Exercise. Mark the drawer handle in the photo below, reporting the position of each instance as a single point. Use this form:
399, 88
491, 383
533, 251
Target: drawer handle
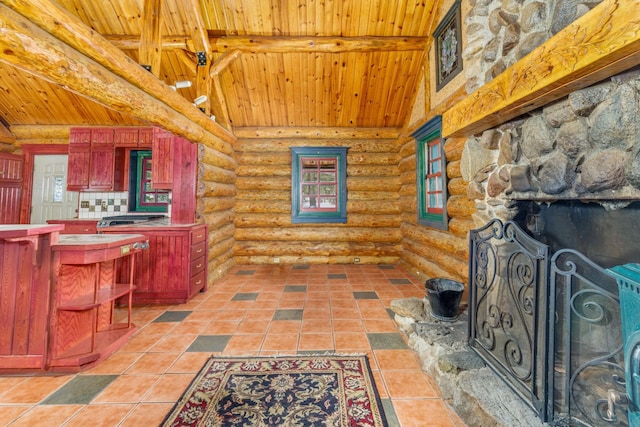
198, 251
199, 265
198, 282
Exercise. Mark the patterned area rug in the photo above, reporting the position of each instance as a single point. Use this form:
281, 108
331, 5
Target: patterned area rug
327, 390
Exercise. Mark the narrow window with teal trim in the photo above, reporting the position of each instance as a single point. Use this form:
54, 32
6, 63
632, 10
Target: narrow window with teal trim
319, 184
147, 199
431, 174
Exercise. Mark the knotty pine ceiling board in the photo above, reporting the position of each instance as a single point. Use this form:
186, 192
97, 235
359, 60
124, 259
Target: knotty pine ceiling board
317, 18
373, 89
26, 100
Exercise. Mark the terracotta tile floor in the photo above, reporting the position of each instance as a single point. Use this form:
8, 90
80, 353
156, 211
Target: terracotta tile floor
253, 310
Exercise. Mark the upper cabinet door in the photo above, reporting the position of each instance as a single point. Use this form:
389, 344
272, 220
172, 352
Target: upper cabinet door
80, 136
162, 160
126, 137
101, 136
102, 167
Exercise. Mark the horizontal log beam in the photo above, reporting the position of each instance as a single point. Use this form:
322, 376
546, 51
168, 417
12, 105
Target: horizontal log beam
280, 44
316, 132
601, 43
6, 136
284, 44
64, 34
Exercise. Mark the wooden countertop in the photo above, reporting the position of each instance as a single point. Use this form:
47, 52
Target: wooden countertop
24, 230
92, 248
95, 241
164, 223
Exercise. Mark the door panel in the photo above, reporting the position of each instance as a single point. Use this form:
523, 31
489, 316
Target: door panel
11, 166
50, 198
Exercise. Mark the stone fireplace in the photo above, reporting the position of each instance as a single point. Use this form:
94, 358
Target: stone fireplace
568, 175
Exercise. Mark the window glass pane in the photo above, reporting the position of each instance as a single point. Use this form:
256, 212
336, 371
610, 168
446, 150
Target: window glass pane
327, 190
328, 202
328, 163
309, 189
327, 176
310, 176
435, 167
309, 163
150, 198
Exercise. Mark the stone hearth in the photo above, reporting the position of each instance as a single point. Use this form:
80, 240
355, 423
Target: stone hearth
474, 391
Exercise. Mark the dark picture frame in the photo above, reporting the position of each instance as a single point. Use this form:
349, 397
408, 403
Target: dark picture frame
448, 46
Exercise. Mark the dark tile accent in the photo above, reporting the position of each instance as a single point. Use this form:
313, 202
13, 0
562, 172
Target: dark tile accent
386, 267
300, 267
386, 341
288, 314
295, 288
392, 314
390, 413
172, 316
365, 295
80, 391
245, 296
336, 276
245, 272
400, 281
207, 343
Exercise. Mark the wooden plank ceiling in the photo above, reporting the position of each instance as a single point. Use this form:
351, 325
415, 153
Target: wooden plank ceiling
269, 64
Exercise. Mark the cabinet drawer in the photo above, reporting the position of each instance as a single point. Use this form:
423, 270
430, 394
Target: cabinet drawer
198, 235
197, 266
197, 250
197, 283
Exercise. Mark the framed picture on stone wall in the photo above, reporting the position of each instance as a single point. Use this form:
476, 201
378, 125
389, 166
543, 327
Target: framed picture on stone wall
448, 47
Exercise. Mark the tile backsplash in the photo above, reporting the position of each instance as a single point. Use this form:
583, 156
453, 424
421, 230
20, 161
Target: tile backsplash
97, 205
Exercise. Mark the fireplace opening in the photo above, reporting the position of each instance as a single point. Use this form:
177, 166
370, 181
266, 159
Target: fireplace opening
544, 313
606, 233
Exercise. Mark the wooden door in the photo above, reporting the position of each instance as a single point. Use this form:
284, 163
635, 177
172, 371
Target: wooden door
50, 198
11, 167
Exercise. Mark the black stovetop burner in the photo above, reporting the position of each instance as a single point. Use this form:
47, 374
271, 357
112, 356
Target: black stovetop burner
108, 221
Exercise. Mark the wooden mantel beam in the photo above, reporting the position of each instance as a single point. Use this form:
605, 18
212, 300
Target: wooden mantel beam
285, 44
152, 100
601, 43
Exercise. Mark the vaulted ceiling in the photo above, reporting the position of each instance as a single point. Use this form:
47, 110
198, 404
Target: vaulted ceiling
271, 63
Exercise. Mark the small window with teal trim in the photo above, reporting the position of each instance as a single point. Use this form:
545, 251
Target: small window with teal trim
319, 187
144, 197
431, 172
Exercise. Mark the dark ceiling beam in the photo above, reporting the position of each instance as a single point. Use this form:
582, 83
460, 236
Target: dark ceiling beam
274, 44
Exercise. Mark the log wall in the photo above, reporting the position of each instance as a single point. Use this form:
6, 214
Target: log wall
429, 252
264, 233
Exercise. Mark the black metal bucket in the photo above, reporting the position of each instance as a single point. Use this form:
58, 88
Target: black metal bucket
444, 297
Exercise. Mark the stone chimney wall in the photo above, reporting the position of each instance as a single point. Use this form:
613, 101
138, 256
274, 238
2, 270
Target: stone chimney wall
585, 146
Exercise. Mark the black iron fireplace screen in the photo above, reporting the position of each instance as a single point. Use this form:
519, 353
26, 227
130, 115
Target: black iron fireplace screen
549, 326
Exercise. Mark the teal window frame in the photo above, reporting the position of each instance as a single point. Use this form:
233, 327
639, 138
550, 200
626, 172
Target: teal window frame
431, 175
331, 176
138, 183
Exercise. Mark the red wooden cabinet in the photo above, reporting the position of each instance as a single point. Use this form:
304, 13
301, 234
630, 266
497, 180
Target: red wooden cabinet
78, 167
97, 166
162, 167
24, 295
174, 269
133, 137
83, 330
11, 166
